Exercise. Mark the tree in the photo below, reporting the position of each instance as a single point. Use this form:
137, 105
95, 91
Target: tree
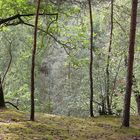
2, 102
91, 59
33, 63
108, 64
2, 99
136, 93
127, 100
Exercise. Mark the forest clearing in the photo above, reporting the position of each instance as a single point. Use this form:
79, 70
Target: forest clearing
16, 125
70, 69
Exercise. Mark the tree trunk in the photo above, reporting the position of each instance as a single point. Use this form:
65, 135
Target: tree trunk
2, 102
102, 110
108, 64
127, 100
137, 93
137, 97
91, 60
33, 64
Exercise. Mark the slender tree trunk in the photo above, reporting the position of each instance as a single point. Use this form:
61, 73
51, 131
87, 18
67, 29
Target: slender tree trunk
137, 97
108, 64
102, 110
137, 93
2, 102
33, 64
127, 100
91, 60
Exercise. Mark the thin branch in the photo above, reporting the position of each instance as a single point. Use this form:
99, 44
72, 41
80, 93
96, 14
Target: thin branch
55, 39
122, 28
19, 16
21, 21
52, 22
12, 105
40, 14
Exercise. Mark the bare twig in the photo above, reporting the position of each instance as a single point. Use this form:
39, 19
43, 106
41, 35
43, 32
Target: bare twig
12, 105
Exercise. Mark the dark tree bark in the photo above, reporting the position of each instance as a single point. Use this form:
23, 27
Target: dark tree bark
108, 64
91, 60
127, 100
2, 102
32, 118
102, 110
17, 19
15, 106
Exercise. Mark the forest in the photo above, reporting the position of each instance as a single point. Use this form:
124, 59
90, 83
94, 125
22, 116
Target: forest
69, 70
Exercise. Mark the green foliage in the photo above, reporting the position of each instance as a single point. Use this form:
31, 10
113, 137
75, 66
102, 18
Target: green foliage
15, 7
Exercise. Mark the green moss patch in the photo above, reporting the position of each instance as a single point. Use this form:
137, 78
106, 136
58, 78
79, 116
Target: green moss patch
16, 126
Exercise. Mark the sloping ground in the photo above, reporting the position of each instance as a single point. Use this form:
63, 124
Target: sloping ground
15, 126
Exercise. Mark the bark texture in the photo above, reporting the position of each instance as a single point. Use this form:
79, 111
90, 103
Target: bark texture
129, 81
91, 59
108, 64
32, 118
2, 102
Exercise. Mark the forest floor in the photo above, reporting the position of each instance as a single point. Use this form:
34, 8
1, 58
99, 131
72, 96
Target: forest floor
15, 125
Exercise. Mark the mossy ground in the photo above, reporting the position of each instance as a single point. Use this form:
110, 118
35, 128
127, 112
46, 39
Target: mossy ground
16, 126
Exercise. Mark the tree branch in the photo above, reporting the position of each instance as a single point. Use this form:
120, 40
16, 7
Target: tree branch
7, 21
21, 21
58, 41
12, 105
